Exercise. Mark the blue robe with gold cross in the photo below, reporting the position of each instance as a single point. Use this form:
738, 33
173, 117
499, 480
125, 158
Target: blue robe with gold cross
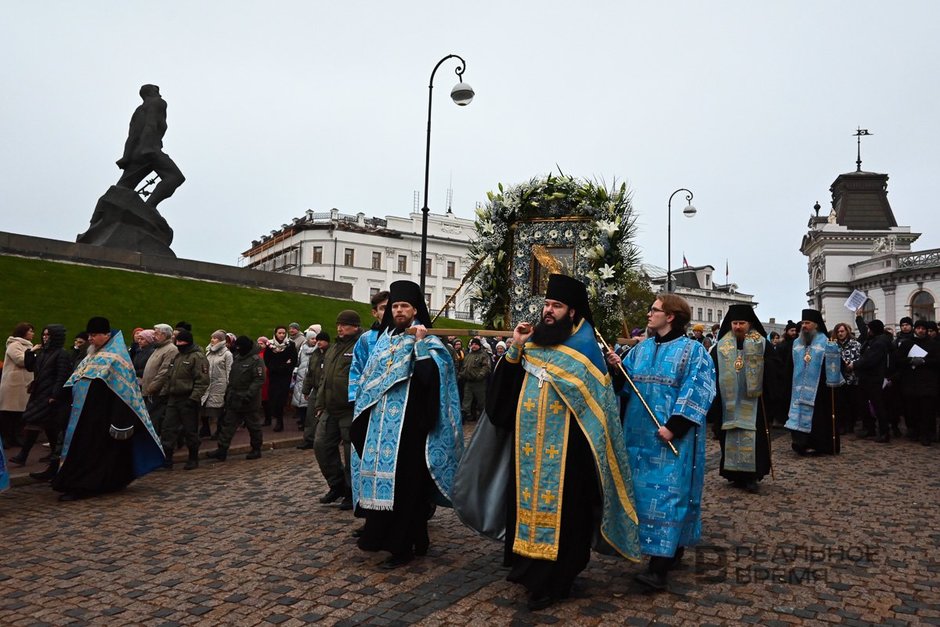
568, 387
675, 377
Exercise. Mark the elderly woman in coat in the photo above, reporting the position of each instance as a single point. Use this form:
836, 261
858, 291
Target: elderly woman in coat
13, 392
213, 401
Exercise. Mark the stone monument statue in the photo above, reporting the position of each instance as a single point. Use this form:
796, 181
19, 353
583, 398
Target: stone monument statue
122, 219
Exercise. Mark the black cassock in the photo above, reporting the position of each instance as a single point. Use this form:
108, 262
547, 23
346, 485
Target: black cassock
96, 462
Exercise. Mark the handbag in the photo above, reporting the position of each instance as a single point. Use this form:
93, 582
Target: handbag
481, 484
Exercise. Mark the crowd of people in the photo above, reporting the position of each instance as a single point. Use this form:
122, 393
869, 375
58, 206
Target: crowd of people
577, 445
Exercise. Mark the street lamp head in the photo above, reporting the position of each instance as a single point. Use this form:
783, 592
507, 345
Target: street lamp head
689, 211
462, 94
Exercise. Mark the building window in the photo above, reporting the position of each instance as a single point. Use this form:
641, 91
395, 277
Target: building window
451, 269
372, 292
403, 263
719, 314
349, 257
710, 315
922, 306
376, 260
700, 313
868, 310
427, 267
318, 254
427, 299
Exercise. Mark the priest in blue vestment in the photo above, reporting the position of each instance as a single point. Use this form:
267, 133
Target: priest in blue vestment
109, 440
745, 366
676, 377
817, 368
569, 477
406, 430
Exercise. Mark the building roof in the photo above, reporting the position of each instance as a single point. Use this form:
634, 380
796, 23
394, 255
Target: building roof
860, 201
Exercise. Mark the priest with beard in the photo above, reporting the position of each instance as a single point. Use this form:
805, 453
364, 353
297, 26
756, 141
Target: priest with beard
817, 368
569, 474
745, 369
406, 430
109, 440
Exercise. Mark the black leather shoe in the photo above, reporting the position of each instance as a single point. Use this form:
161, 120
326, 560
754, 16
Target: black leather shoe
752, 487
71, 496
46, 474
346, 505
19, 459
396, 561
653, 581
883, 439
220, 454
536, 603
254, 454
332, 496
306, 446
358, 532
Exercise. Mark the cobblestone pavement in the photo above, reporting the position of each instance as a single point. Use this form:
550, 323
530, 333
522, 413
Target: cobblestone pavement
849, 540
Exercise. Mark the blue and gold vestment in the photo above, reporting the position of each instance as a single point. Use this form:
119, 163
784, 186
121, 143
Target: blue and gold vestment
808, 364
567, 386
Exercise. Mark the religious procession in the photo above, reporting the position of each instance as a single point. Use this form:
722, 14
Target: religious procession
584, 440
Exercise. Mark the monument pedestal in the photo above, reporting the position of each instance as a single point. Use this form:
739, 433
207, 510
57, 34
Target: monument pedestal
122, 220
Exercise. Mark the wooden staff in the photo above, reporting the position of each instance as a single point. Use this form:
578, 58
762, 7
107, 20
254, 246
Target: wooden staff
637, 392
470, 274
770, 457
463, 332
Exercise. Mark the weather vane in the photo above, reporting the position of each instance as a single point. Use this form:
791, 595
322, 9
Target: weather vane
858, 133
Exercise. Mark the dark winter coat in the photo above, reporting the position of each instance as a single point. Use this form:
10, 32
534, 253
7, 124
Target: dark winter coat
51, 366
333, 395
245, 380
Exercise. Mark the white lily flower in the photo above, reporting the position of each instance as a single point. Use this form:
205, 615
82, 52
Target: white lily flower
606, 273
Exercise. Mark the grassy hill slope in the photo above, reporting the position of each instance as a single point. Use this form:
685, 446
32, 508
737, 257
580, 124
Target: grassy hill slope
43, 292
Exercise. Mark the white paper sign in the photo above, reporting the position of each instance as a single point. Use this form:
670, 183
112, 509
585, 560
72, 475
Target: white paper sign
856, 300
916, 351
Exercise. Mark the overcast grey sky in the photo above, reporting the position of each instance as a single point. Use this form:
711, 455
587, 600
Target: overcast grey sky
275, 108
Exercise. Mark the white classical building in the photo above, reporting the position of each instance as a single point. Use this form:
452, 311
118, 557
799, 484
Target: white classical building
709, 300
371, 253
859, 245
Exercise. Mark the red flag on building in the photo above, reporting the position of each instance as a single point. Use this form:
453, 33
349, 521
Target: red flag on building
685, 262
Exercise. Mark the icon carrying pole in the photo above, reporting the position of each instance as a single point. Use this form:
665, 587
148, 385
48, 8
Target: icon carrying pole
637, 392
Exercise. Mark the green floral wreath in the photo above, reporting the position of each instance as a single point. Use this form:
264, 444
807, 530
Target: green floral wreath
607, 257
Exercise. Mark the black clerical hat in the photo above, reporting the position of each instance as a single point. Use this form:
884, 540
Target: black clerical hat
740, 311
98, 324
812, 315
571, 292
406, 292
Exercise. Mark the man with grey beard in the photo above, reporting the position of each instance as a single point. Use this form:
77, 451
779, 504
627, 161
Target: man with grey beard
817, 364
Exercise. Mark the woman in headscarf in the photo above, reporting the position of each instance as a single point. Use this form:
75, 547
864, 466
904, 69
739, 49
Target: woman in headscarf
13, 392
